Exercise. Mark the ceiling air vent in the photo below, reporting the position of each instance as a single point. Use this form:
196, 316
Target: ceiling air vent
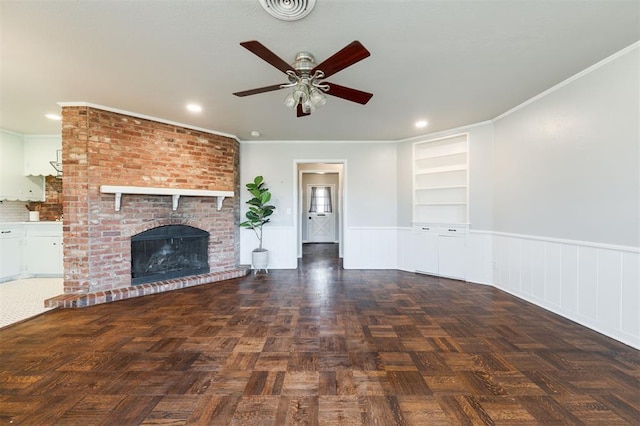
288, 10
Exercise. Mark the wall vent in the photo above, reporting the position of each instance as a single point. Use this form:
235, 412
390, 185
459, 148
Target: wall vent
288, 10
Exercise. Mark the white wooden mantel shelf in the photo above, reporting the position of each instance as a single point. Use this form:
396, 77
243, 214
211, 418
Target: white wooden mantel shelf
175, 193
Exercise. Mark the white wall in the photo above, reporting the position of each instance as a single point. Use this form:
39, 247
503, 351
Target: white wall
566, 164
370, 192
567, 199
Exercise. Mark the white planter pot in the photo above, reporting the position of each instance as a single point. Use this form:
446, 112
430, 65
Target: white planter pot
259, 260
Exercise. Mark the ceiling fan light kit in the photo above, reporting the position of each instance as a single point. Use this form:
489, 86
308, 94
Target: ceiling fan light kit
288, 10
306, 77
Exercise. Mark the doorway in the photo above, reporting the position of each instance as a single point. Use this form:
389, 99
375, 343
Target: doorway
320, 215
321, 219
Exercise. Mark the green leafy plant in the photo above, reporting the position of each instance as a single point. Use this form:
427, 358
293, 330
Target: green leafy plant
259, 211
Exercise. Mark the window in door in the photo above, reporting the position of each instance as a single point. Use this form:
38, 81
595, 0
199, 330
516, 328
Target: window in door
320, 200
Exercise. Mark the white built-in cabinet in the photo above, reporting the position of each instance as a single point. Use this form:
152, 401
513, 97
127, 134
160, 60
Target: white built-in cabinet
14, 184
11, 238
30, 250
440, 205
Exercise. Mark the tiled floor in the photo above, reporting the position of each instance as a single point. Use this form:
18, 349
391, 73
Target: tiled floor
21, 299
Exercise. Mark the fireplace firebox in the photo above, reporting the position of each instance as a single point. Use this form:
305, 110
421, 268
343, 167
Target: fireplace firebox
168, 252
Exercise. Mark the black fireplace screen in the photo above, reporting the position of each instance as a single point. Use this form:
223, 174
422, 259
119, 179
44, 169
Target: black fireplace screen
168, 252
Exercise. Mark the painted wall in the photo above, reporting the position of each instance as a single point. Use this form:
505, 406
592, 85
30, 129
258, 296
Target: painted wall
566, 165
567, 198
370, 176
370, 192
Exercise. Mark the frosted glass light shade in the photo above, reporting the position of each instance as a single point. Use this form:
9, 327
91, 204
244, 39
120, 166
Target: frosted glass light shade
290, 102
317, 98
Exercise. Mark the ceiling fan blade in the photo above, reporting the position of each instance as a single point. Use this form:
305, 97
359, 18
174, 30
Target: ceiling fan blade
348, 93
261, 51
300, 112
259, 90
349, 55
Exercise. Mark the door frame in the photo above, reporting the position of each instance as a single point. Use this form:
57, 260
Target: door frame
341, 197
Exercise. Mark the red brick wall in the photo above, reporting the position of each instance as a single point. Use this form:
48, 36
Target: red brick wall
106, 148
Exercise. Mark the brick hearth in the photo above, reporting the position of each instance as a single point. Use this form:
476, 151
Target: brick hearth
81, 300
102, 147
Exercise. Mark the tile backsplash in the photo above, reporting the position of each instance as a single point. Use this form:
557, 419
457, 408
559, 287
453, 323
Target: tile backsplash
13, 211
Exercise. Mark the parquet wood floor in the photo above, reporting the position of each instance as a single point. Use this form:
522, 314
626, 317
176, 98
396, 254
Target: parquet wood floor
316, 345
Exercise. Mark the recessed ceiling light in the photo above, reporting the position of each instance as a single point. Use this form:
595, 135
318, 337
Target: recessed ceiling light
53, 116
255, 134
421, 124
194, 107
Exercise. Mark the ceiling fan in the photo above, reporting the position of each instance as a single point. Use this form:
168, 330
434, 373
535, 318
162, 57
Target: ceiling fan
307, 78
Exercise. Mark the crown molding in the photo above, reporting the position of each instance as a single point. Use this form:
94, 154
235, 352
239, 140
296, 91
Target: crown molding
571, 79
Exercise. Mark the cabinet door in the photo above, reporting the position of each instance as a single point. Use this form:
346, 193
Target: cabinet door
43, 255
451, 256
10, 255
13, 184
426, 256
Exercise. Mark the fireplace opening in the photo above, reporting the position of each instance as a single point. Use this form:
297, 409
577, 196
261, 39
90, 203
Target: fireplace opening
168, 252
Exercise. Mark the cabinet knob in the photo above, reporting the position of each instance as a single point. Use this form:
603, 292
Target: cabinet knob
425, 229
453, 230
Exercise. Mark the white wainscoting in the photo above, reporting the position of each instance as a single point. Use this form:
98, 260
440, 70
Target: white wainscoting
280, 241
480, 257
406, 250
371, 248
595, 285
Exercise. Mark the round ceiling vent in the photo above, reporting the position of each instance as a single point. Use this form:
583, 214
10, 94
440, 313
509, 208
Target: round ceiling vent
288, 10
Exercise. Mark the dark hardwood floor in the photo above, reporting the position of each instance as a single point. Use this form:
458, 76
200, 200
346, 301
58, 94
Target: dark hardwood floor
316, 345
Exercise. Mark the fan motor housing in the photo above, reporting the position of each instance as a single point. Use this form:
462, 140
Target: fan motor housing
304, 62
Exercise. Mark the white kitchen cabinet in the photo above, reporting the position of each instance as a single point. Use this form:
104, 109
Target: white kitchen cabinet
43, 249
14, 185
11, 238
43, 255
39, 151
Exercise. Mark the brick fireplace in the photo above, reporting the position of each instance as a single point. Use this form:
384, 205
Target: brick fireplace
102, 147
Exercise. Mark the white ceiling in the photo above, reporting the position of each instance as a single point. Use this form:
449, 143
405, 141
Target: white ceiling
450, 62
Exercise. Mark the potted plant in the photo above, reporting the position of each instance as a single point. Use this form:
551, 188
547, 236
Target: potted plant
257, 215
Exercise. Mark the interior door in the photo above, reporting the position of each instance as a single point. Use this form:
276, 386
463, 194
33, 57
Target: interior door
321, 227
